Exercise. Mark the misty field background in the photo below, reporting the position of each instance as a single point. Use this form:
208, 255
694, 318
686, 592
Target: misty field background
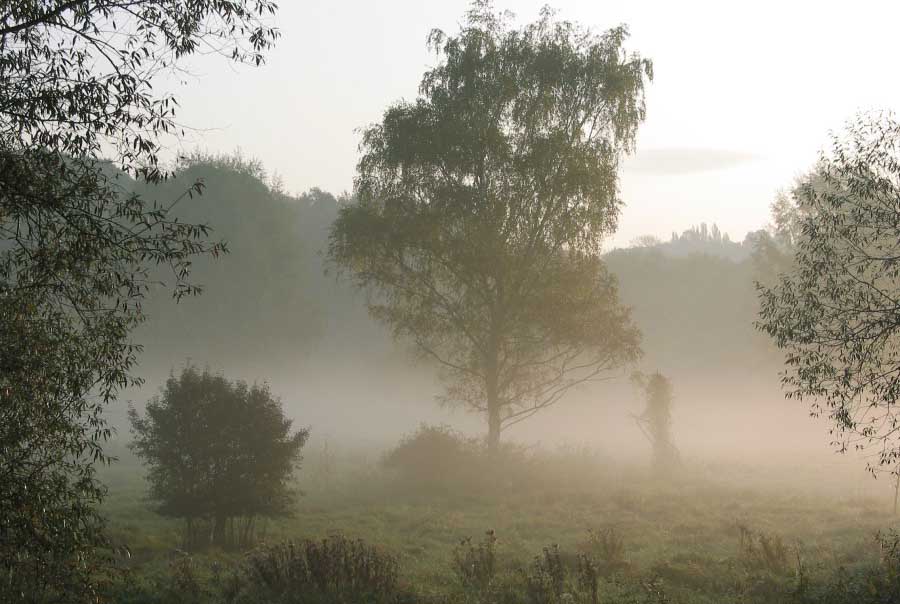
759, 510
694, 539
456, 382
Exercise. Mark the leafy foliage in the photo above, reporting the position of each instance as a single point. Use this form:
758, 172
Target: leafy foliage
218, 451
77, 75
77, 251
835, 314
481, 208
73, 272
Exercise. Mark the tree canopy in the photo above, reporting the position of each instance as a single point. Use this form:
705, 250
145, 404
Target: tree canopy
77, 75
79, 250
221, 454
267, 298
835, 311
481, 207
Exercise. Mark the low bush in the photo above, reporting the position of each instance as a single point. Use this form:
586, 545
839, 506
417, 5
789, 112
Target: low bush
764, 551
546, 579
475, 566
182, 579
438, 459
433, 458
335, 570
552, 577
872, 584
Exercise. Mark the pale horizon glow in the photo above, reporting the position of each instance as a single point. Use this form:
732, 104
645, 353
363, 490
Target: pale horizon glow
743, 99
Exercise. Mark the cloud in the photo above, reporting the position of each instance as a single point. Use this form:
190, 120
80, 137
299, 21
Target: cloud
685, 161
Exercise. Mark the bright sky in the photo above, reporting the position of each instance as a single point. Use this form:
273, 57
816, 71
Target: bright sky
744, 94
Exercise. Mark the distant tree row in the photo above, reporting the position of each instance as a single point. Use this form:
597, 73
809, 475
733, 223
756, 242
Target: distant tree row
269, 289
699, 240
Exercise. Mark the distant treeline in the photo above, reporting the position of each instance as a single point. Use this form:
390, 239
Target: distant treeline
273, 297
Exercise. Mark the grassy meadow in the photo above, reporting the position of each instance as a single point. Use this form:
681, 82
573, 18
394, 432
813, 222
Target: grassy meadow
705, 533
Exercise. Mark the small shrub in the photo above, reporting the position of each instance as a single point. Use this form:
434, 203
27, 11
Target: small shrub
884, 582
553, 578
762, 551
589, 578
179, 581
545, 580
475, 565
438, 459
607, 547
889, 546
433, 457
684, 571
654, 592
335, 570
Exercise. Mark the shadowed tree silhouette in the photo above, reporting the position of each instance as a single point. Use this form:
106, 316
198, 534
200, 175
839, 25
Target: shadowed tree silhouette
220, 453
78, 250
656, 421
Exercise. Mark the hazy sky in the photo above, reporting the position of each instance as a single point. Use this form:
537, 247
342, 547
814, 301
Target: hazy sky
744, 94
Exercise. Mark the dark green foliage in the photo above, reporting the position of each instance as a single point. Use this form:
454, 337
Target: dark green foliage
835, 312
184, 585
220, 455
480, 210
179, 579
75, 264
77, 249
72, 87
335, 570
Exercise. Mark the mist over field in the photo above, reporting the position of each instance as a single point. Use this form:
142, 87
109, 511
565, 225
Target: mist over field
339, 371
461, 303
